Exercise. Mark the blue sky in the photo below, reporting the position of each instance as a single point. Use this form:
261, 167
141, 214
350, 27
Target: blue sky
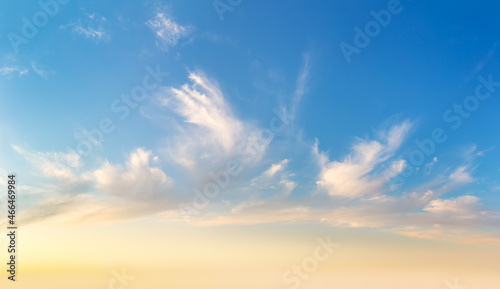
354, 128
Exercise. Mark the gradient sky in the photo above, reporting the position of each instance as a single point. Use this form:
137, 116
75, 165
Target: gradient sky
392, 150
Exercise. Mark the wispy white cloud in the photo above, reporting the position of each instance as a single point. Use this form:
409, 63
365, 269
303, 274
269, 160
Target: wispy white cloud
209, 132
275, 168
356, 175
42, 73
111, 192
418, 215
276, 179
360, 177
91, 28
206, 132
138, 180
461, 175
465, 206
167, 31
139, 188
61, 166
300, 89
7, 70
428, 166
96, 34
301, 83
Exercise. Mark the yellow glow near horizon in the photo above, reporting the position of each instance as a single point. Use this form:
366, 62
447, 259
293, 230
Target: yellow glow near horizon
180, 256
